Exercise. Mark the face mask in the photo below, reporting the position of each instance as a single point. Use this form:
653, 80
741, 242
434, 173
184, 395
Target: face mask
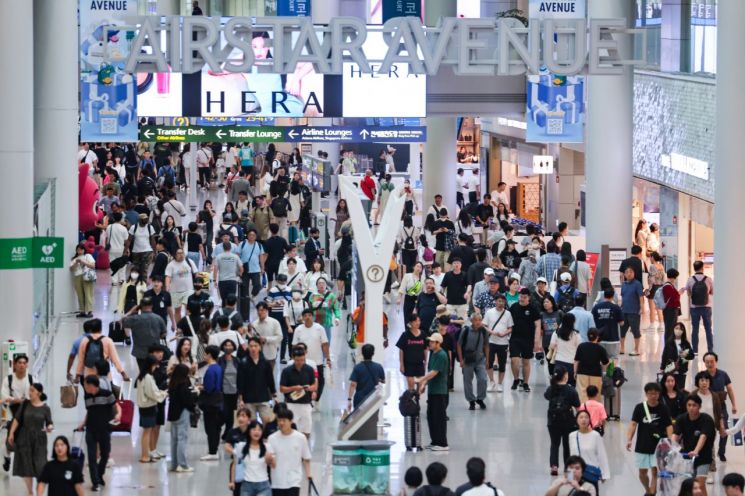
678, 333
134, 276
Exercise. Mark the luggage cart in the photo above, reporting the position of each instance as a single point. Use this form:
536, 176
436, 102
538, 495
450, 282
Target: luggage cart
673, 466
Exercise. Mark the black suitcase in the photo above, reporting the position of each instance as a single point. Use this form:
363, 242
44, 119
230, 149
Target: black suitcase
116, 331
413, 433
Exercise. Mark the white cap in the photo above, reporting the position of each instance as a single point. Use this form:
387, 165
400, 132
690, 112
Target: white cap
541, 279
566, 276
489, 272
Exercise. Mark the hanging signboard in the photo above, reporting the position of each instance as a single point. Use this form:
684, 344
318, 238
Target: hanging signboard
401, 8
291, 8
31, 253
563, 9
555, 109
108, 95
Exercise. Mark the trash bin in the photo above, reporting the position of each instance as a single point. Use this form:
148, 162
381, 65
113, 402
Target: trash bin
346, 461
361, 467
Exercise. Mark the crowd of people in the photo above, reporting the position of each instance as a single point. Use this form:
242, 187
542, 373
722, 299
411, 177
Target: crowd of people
229, 317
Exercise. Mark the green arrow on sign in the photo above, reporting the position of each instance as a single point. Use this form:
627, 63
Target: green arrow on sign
223, 134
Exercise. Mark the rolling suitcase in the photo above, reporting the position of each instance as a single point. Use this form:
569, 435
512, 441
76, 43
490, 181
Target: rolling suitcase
76, 451
128, 410
613, 404
116, 331
413, 433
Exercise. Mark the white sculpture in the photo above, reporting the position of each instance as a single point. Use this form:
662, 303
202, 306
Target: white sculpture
374, 254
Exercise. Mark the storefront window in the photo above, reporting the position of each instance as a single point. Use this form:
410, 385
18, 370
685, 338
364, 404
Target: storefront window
649, 17
704, 36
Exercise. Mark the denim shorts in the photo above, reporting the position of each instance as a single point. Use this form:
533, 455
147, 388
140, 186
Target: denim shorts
263, 488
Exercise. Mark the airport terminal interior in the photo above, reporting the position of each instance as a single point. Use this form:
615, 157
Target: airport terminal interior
379, 247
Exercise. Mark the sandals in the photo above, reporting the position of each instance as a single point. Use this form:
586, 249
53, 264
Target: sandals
149, 460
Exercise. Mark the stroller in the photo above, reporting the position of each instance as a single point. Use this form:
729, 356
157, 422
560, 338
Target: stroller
673, 467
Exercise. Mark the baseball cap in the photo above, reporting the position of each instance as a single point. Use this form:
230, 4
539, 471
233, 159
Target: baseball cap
436, 337
566, 276
494, 280
142, 216
489, 272
541, 279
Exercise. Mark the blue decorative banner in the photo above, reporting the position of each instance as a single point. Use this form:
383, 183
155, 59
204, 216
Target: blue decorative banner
555, 109
108, 96
293, 8
401, 8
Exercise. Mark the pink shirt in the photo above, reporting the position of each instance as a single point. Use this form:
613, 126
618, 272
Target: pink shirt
596, 410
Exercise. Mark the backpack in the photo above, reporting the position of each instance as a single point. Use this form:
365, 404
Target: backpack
451, 240
428, 255
93, 352
699, 292
566, 299
10, 381
408, 404
659, 298
409, 241
279, 207
559, 410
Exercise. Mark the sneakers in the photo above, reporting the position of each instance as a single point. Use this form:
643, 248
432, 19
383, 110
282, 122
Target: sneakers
110, 463
710, 479
526, 388
554, 471
515, 384
499, 388
492, 387
481, 404
156, 455
471, 405
184, 470
95, 488
722, 458
209, 458
435, 447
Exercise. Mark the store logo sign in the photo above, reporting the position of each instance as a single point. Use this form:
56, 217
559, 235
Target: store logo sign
687, 165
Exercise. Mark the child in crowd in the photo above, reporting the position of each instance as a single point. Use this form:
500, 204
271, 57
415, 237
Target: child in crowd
595, 408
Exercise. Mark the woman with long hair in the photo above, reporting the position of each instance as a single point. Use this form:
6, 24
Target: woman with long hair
464, 223
148, 397
408, 240
588, 443
181, 404
206, 223
562, 399
184, 355
550, 322
653, 238
677, 354
230, 210
61, 475
691, 487
342, 215
325, 307
672, 395
255, 461
234, 439
410, 287
655, 279
81, 266
317, 270
501, 214
170, 235
28, 436
640, 236
564, 344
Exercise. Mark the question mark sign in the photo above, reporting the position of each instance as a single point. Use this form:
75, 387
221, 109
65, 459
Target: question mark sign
375, 273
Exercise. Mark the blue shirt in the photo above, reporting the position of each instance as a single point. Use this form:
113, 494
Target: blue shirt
583, 321
367, 375
213, 379
630, 294
218, 249
250, 254
76, 345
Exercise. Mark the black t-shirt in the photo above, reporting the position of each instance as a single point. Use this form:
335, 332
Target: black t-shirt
161, 303
476, 272
590, 357
650, 428
100, 410
426, 308
636, 264
61, 477
466, 255
691, 430
413, 347
510, 259
193, 240
275, 248
235, 436
160, 262
456, 285
484, 212
524, 318
291, 376
440, 238
607, 315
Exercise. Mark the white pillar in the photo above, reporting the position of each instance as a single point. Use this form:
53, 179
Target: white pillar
17, 161
56, 125
322, 12
608, 146
439, 164
730, 184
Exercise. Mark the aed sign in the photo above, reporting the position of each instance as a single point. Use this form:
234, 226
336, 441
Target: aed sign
31, 253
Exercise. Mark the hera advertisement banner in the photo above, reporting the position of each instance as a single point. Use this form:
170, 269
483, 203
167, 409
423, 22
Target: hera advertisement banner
555, 109
108, 96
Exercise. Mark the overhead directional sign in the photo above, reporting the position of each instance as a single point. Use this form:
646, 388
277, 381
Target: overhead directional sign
343, 134
224, 134
305, 134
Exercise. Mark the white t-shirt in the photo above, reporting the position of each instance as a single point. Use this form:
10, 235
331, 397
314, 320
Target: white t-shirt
503, 197
20, 388
438, 280
254, 468
482, 490
565, 350
116, 235
87, 156
141, 235
175, 209
218, 338
491, 317
289, 450
313, 337
473, 183
294, 310
461, 184
181, 274
271, 331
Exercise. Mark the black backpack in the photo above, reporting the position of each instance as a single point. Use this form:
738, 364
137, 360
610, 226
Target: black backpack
699, 292
279, 207
559, 410
93, 352
409, 241
566, 299
408, 403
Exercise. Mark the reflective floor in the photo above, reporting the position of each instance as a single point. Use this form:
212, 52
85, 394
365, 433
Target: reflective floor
510, 435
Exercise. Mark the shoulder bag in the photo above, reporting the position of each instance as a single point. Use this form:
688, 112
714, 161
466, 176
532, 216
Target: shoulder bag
591, 473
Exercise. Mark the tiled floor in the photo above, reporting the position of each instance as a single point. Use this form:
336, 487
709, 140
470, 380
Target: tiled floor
510, 435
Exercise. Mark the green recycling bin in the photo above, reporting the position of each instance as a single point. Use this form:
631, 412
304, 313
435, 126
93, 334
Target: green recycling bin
346, 461
375, 472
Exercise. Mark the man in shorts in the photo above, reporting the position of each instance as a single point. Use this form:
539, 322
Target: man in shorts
525, 338
651, 422
412, 346
608, 318
695, 432
631, 293
299, 385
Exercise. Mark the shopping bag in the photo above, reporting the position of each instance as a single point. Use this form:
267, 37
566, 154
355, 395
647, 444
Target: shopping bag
76, 450
69, 395
128, 410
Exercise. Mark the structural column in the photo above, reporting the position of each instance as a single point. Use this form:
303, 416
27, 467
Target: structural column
16, 161
608, 146
730, 184
676, 36
56, 125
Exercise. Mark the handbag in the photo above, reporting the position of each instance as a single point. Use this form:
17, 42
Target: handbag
89, 275
68, 395
194, 417
591, 473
